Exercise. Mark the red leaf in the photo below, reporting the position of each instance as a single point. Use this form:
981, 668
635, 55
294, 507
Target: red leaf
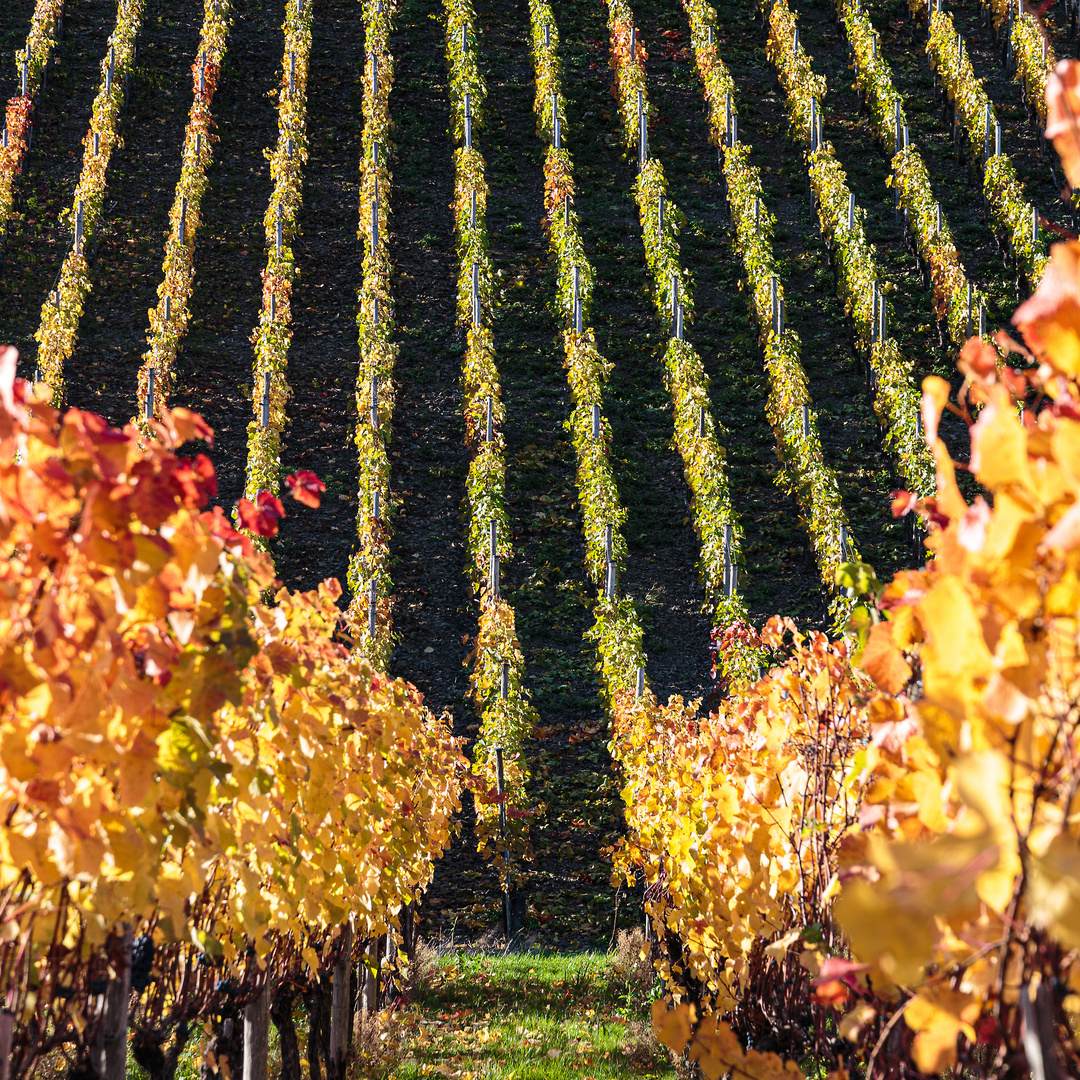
261, 519
305, 487
903, 502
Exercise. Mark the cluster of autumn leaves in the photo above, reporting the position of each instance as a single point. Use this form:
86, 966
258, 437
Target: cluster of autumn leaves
870, 859
162, 723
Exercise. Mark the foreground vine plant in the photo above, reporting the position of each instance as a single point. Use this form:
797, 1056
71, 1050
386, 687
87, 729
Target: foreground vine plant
881, 877
180, 761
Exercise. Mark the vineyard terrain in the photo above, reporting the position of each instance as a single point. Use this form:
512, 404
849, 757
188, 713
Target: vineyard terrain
477, 315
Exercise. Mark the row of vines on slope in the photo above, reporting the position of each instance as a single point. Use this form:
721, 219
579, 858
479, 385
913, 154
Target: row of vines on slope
169, 320
30, 63
860, 277
220, 780
498, 666
1028, 50
62, 311
697, 433
369, 568
271, 338
616, 632
1012, 214
956, 301
793, 422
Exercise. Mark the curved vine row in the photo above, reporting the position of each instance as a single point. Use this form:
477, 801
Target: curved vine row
271, 338
30, 64
169, 320
616, 632
896, 400
1028, 49
62, 311
923, 213
1010, 210
369, 567
697, 432
794, 425
497, 664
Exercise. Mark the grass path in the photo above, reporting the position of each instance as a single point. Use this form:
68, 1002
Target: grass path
528, 1016
532, 1015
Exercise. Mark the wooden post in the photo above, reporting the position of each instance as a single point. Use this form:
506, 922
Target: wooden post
109, 1054
500, 787
7, 1036
340, 1018
257, 1036
370, 978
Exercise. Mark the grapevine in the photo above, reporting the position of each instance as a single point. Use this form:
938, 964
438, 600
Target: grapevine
62, 311
616, 631
1013, 215
498, 666
696, 429
169, 320
271, 338
33, 59
923, 214
369, 568
793, 423
896, 399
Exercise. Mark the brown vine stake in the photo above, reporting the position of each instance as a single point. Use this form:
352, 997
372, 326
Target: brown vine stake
340, 1007
257, 1036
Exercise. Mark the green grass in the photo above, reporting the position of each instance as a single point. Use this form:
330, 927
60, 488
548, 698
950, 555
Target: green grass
527, 1016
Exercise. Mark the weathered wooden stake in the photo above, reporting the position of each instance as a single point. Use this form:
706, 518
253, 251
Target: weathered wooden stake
640, 687
7, 1037
109, 1053
596, 421
504, 681
488, 419
501, 790
643, 133
493, 559
373, 605
264, 413
149, 411
340, 1008
257, 1036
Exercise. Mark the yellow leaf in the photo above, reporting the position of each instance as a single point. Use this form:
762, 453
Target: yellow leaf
673, 1026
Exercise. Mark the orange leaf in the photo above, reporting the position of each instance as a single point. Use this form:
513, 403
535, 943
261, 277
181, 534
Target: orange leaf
883, 661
